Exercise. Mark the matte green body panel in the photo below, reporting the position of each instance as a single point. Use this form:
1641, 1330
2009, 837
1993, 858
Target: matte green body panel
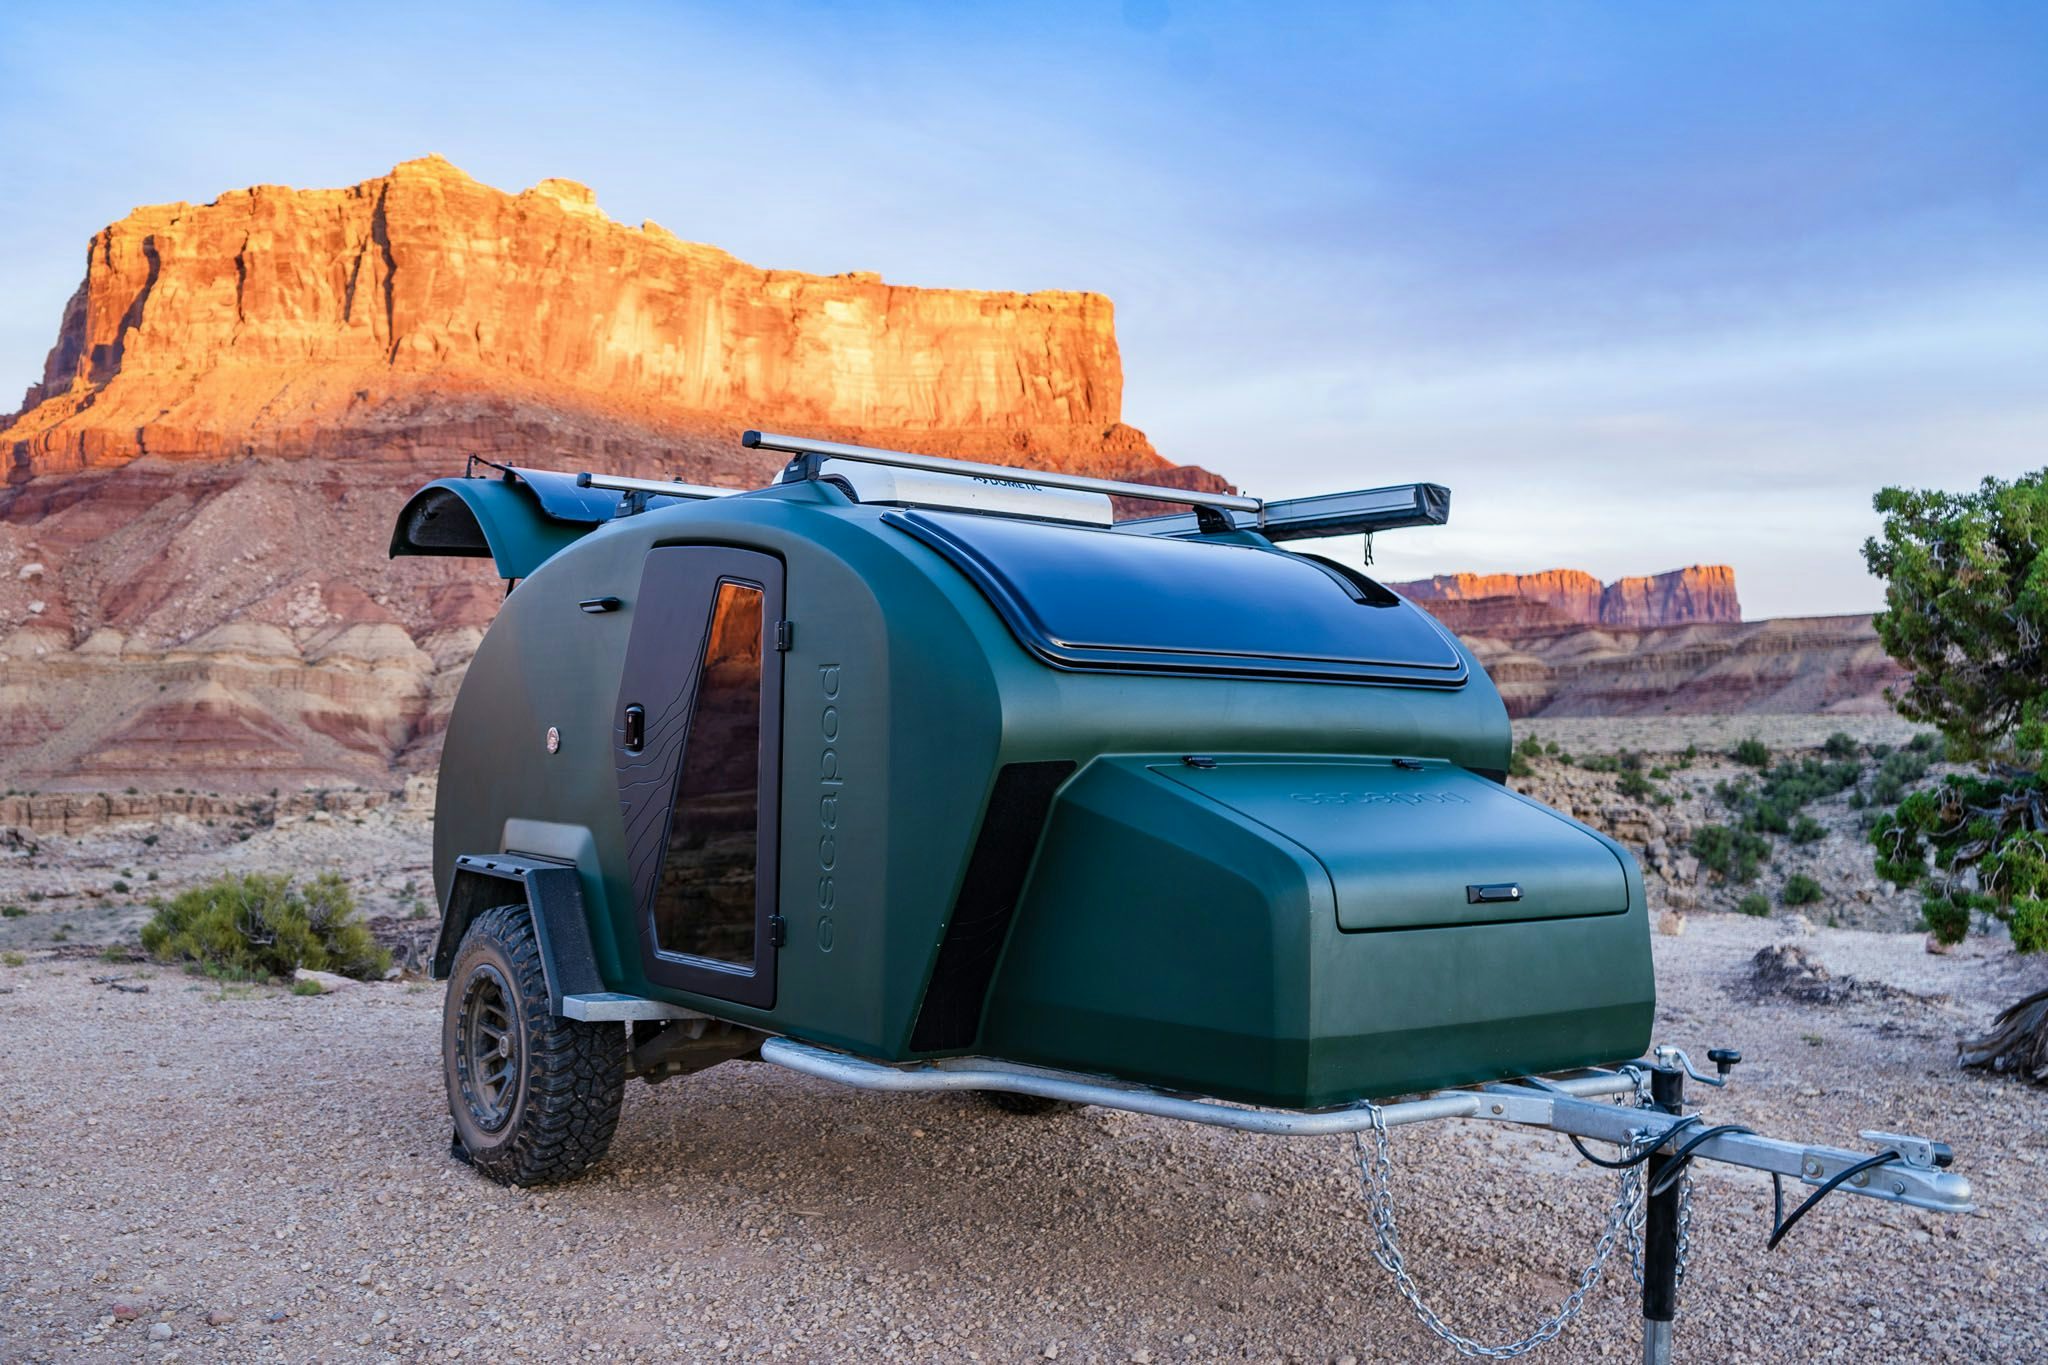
1162, 936
1403, 845
1170, 938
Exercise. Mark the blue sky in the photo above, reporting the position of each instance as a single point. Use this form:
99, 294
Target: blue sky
1646, 285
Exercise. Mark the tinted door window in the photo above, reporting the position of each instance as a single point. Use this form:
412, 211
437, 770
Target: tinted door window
705, 900
697, 741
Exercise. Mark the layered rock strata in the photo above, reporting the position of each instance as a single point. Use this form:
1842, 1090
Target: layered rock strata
200, 486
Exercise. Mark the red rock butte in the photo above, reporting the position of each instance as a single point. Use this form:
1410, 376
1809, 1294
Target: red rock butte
1703, 592
422, 313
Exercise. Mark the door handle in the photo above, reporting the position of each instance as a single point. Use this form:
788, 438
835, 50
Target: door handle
636, 728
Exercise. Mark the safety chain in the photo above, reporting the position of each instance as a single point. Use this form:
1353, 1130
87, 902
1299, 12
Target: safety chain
1376, 1174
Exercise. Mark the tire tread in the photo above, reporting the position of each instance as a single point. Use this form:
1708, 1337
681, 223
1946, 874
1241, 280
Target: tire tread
575, 1073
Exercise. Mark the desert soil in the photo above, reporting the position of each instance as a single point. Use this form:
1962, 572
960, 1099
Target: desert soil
202, 1173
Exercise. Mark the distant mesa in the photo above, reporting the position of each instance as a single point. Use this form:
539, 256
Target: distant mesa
1561, 643
1490, 603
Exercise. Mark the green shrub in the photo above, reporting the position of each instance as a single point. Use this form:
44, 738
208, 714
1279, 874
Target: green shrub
1730, 854
2030, 925
1551, 748
1659, 773
1771, 804
1768, 818
1807, 830
1839, 745
262, 926
11, 912
1755, 903
1800, 889
14, 959
1692, 751
308, 988
120, 887
1530, 747
1519, 765
1752, 753
1635, 784
1897, 771
1946, 920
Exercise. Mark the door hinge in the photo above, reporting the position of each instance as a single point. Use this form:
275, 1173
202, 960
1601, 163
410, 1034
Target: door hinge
785, 634
778, 931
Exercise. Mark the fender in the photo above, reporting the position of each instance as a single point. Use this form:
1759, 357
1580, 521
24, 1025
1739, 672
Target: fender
519, 520
553, 893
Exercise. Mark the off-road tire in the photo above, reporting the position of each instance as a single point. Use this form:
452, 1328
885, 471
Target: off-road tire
542, 1103
1032, 1106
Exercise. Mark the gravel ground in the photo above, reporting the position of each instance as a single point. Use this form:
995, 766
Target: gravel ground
96, 887
201, 1174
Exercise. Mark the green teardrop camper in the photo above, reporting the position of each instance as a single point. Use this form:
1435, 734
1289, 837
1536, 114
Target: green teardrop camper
912, 758
917, 774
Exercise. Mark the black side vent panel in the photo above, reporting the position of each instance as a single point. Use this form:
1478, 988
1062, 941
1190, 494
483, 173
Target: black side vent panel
951, 1013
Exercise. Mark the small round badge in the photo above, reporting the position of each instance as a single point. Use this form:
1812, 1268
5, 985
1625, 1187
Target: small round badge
554, 739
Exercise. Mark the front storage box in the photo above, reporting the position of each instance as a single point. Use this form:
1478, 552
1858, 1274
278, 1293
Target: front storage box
1308, 932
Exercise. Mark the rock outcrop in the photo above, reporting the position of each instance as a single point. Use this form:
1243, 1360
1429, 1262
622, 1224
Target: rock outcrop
424, 314
1811, 665
193, 586
1561, 643
1703, 592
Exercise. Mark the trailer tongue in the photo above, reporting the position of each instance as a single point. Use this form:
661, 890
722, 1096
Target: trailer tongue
1657, 1142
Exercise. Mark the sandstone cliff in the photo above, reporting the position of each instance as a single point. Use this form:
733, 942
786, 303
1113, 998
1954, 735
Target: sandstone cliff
424, 314
1560, 643
193, 587
1703, 592
1812, 665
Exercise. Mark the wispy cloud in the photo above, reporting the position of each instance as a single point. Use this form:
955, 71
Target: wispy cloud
1646, 285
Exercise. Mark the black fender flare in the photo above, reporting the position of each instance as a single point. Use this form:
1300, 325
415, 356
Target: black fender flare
553, 893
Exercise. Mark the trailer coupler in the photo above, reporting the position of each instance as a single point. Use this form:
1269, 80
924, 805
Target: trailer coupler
1658, 1143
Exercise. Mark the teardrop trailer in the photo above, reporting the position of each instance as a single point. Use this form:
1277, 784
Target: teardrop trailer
922, 774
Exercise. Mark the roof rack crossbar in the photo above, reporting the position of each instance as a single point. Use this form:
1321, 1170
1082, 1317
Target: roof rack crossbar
619, 483
813, 451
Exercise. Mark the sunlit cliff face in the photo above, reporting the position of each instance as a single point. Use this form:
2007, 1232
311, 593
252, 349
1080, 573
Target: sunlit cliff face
422, 311
1703, 592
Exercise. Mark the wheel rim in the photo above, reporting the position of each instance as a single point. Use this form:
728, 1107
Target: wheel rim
487, 1062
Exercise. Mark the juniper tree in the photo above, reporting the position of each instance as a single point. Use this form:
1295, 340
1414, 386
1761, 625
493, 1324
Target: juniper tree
1966, 610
